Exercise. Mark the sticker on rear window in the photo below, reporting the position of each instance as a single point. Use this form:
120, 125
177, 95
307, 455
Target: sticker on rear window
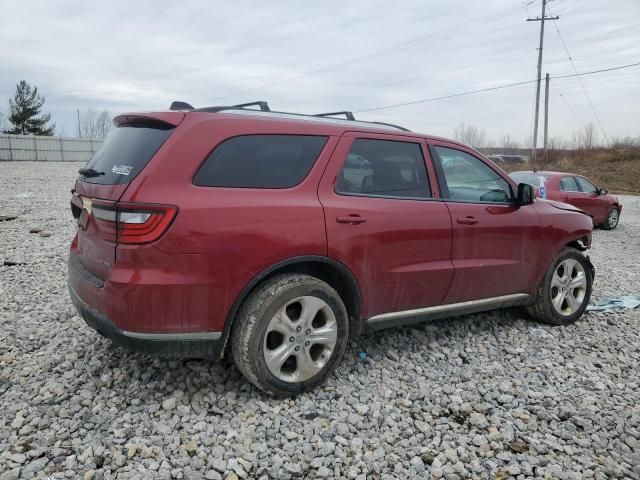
122, 169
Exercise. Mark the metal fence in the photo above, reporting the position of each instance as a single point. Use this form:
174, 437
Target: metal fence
46, 149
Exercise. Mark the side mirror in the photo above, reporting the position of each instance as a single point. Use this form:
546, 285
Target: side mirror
602, 191
525, 194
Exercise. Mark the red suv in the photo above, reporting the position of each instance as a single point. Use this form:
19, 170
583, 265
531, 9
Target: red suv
279, 236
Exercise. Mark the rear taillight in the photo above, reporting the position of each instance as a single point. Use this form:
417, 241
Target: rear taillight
141, 223
133, 222
104, 217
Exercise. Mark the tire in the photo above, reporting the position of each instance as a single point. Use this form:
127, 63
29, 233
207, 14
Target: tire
613, 217
565, 273
290, 334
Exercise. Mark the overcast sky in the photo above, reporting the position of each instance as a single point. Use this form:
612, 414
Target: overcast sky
330, 55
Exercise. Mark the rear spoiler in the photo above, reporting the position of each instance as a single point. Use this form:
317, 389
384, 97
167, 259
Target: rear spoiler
172, 119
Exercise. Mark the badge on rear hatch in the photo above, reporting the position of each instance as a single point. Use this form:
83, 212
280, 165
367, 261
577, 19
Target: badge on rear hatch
121, 169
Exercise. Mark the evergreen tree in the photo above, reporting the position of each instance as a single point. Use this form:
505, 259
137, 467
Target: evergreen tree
24, 112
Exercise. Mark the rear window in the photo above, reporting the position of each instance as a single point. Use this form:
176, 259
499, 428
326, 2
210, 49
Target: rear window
260, 161
125, 152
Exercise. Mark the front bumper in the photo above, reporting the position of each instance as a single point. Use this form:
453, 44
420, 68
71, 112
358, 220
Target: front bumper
187, 345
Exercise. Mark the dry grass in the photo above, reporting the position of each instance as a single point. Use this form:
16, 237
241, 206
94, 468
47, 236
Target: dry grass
616, 169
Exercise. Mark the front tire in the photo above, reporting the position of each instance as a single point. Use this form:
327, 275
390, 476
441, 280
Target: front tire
613, 217
290, 334
564, 292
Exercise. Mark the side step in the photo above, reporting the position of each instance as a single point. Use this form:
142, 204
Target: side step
408, 317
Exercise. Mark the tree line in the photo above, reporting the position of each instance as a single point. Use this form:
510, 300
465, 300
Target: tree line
584, 138
25, 116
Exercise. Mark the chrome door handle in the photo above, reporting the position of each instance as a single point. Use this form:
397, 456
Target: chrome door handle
467, 220
351, 219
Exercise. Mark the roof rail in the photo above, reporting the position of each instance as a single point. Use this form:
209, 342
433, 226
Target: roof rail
390, 125
264, 107
347, 114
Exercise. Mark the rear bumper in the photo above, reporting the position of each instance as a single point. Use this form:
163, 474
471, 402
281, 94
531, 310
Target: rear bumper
188, 345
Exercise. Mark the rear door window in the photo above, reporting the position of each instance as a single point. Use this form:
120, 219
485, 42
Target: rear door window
260, 161
568, 184
384, 168
125, 152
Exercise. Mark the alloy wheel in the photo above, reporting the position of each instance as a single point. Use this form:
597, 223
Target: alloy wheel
300, 339
568, 287
612, 221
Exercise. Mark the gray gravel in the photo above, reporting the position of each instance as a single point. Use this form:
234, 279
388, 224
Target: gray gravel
487, 396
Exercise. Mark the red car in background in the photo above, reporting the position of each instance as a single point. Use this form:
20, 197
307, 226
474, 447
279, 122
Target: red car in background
577, 191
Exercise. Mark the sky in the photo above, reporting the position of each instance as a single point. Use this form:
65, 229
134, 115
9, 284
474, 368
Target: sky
313, 57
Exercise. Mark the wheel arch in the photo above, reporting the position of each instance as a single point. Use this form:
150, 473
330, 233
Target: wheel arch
582, 244
330, 271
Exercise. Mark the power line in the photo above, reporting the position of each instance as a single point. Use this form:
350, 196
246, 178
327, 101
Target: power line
567, 104
600, 35
498, 87
599, 71
438, 72
484, 61
593, 109
446, 32
564, 9
425, 100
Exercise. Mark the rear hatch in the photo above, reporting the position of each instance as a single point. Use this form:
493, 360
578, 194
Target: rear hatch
102, 182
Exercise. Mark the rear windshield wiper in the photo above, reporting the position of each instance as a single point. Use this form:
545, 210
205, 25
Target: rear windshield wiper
90, 172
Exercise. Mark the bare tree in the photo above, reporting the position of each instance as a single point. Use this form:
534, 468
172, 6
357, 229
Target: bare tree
557, 143
527, 141
554, 148
509, 143
95, 125
625, 142
470, 135
3, 122
586, 137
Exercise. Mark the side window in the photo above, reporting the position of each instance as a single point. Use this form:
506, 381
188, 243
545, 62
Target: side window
468, 179
384, 168
260, 161
585, 185
568, 184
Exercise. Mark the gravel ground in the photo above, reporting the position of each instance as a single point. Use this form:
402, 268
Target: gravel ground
487, 396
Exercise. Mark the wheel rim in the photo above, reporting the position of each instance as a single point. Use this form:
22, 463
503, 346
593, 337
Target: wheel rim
568, 287
613, 218
300, 339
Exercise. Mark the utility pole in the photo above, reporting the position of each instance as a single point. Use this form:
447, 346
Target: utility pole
540, 19
78, 112
546, 117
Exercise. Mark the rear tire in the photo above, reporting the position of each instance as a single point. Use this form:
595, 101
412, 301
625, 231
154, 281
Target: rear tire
563, 294
290, 334
613, 217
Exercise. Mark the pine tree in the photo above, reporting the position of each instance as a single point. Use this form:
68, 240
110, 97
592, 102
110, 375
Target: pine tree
24, 112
